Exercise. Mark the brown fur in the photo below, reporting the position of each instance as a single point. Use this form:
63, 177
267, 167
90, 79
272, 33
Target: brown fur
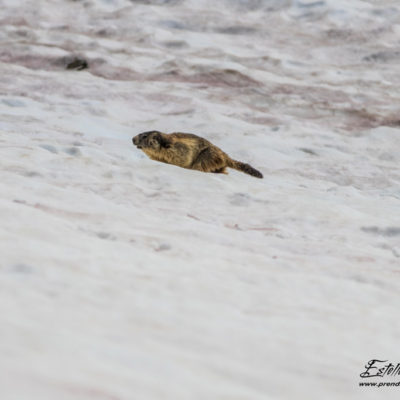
188, 151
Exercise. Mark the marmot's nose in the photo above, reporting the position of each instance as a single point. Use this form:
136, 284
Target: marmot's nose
135, 140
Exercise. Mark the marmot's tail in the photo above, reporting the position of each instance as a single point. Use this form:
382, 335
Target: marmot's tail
246, 168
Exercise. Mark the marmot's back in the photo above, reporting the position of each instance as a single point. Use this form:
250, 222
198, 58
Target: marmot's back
189, 151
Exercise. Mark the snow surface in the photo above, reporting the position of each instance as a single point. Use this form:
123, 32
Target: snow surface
122, 278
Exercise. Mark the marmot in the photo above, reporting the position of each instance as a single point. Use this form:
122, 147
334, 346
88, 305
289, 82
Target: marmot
188, 151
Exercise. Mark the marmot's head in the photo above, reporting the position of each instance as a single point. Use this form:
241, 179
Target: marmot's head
150, 139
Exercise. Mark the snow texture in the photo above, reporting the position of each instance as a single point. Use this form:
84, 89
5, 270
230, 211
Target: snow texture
126, 279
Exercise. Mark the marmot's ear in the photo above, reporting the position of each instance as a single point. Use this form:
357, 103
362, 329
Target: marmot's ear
164, 142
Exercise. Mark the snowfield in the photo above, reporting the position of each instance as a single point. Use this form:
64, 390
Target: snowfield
126, 279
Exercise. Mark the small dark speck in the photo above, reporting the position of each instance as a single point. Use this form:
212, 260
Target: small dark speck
313, 4
31, 174
175, 44
105, 32
13, 103
78, 64
237, 30
388, 232
172, 24
370, 229
73, 151
358, 278
105, 235
308, 151
383, 56
21, 269
22, 33
392, 232
275, 128
49, 148
163, 247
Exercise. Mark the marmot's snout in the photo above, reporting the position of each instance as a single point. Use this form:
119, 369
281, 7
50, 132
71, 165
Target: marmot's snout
136, 141
143, 139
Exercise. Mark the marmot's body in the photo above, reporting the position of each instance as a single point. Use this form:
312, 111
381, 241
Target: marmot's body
188, 151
